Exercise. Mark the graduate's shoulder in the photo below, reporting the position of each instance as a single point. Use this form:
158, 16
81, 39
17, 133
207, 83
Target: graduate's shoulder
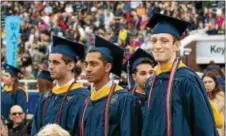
75, 89
189, 80
81, 91
124, 94
188, 74
20, 90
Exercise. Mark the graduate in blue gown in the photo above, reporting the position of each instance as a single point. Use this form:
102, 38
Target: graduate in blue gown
63, 104
45, 81
139, 67
13, 93
45, 84
184, 110
111, 110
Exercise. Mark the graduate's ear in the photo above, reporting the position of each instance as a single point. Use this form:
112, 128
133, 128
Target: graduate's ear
134, 77
108, 67
71, 66
176, 45
13, 79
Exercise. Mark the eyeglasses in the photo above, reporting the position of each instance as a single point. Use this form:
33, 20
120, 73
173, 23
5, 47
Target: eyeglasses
17, 113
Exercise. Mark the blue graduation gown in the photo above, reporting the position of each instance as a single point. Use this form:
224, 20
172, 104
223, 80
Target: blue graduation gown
71, 112
124, 117
192, 115
141, 99
8, 99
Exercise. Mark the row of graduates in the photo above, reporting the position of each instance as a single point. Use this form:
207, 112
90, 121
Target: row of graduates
170, 101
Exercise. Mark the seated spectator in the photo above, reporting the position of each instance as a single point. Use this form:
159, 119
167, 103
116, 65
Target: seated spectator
221, 29
3, 127
221, 78
17, 125
219, 18
211, 29
141, 11
215, 94
4, 131
52, 130
212, 66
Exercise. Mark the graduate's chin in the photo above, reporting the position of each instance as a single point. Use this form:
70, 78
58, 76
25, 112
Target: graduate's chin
90, 78
53, 76
160, 60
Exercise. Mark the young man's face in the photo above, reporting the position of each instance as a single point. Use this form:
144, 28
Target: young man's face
57, 67
144, 71
95, 68
163, 47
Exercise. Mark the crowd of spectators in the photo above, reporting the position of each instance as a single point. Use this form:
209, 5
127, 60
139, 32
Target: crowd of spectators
123, 23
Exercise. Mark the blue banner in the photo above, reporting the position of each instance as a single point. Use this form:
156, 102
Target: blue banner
12, 26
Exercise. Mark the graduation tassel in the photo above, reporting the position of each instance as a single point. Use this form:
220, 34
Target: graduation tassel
128, 76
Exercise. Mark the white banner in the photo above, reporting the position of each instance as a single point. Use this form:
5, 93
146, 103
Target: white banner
210, 50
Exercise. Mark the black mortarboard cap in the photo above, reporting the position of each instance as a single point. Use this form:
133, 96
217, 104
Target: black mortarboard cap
11, 70
165, 24
112, 52
68, 48
44, 74
138, 56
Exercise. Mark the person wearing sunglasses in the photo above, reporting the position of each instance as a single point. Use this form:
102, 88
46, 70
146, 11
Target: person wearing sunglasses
17, 125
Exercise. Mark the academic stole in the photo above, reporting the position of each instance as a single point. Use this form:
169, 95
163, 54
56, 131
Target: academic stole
106, 112
168, 103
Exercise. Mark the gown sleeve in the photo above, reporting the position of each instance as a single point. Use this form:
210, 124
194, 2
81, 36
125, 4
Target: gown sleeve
37, 118
130, 118
74, 115
197, 109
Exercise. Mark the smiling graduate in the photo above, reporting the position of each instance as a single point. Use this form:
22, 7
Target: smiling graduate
177, 102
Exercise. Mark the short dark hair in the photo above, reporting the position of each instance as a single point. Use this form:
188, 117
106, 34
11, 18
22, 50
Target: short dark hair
144, 61
68, 60
102, 57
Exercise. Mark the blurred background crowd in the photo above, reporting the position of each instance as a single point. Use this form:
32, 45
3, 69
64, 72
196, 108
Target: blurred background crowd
123, 23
